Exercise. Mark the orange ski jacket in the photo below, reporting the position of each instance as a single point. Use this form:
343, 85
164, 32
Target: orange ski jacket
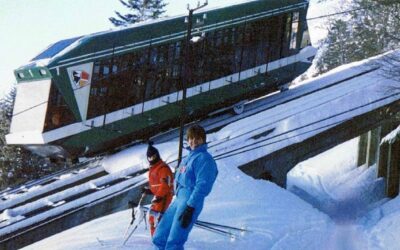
161, 183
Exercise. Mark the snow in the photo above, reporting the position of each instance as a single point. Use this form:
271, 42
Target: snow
278, 214
392, 136
57, 199
276, 218
13, 199
136, 156
329, 200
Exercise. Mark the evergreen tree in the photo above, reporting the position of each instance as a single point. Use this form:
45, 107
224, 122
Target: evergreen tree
371, 30
140, 10
338, 48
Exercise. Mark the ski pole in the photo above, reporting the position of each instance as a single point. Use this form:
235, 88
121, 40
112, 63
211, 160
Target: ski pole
143, 217
134, 218
211, 224
222, 226
130, 234
217, 231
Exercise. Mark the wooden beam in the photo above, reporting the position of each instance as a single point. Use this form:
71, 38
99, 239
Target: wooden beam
278, 163
383, 154
373, 146
383, 160
392, 184
362, 149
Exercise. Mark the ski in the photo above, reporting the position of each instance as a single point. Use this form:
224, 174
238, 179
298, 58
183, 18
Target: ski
222, 226
220, 229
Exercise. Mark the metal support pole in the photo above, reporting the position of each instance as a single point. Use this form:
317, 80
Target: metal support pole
186, 78
184, 85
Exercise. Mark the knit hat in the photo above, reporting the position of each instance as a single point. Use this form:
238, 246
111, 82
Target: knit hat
152, 151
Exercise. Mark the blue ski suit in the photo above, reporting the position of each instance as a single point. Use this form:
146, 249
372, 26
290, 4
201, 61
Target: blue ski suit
193, 182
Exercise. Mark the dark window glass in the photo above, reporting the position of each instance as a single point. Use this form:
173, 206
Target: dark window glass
157, 70
58, 113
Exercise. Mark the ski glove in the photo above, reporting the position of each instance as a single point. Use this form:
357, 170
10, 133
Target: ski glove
132, 204
186, 216
146, 190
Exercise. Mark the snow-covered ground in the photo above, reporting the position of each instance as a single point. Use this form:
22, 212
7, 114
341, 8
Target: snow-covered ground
337, 206
329, 202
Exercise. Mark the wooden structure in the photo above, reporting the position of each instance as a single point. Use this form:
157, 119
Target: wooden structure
288, 157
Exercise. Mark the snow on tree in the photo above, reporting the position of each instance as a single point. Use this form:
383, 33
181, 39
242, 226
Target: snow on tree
338, 49
369, 28
140, 10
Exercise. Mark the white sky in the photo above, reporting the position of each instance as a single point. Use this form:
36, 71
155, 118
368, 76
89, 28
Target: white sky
28, 27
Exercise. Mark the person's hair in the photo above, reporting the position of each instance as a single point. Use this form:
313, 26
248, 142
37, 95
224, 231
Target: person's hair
197, 132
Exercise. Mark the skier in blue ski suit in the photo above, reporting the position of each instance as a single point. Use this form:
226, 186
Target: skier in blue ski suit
193, 182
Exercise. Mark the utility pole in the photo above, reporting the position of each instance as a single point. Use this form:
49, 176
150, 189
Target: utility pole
186, 75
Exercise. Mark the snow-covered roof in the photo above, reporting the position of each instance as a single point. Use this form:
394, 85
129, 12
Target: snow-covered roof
55, 48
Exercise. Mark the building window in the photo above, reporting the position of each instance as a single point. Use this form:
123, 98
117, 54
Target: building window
58, 112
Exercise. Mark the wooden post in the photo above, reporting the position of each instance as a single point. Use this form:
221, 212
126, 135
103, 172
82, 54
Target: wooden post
362, 149
373, 146
382, 160
392, 185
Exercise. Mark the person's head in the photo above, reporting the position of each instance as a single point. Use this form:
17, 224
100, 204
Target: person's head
196, 135
153, 156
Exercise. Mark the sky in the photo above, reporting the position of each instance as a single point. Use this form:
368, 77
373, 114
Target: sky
331, 202
28, 27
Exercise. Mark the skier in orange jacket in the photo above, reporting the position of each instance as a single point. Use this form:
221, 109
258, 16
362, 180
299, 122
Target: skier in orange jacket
161, 185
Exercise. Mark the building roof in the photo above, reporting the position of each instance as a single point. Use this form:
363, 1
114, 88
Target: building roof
119, 40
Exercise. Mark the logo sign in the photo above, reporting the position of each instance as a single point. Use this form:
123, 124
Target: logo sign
80, 78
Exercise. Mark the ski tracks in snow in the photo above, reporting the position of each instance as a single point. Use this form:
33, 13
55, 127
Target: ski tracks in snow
347, 237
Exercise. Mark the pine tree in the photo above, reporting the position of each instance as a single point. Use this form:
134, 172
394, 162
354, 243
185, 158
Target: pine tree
338, 49
371, 30
7, 154
140, 10
378, 31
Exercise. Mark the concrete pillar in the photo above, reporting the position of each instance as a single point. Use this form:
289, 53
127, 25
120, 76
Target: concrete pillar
393, 170
373, 146
362, 149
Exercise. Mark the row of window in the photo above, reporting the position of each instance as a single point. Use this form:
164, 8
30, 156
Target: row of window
131, 78
128, 79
